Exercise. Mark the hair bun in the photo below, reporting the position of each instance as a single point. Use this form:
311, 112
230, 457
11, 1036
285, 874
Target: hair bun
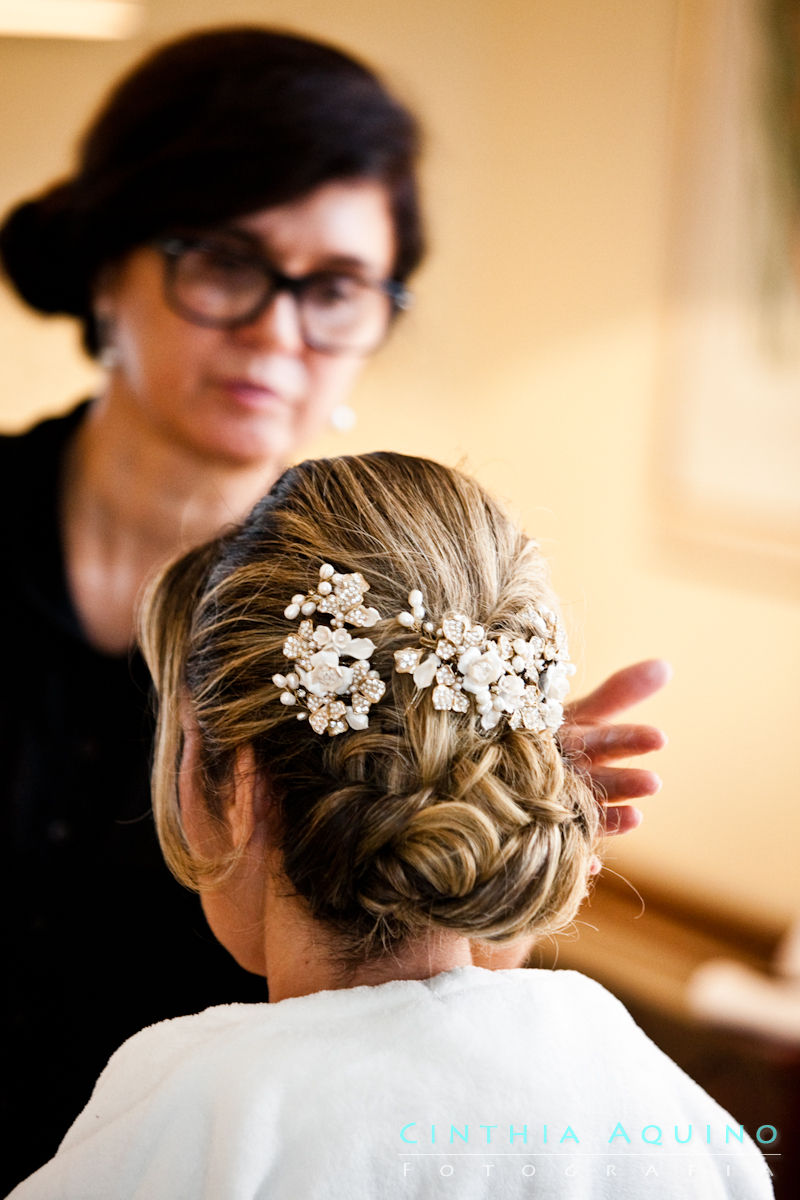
39, 247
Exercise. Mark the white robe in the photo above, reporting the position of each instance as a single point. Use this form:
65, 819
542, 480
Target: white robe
471, 1084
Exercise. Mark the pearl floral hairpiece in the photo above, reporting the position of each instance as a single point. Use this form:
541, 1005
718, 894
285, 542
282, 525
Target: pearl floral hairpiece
522, 679
320, 682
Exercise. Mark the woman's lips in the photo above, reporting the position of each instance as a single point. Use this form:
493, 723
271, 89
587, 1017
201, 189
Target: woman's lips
257, 396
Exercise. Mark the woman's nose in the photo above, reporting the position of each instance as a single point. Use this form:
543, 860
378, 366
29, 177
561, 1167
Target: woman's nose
278, 327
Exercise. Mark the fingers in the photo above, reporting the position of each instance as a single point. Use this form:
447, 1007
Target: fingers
621, 819
590, 744
620, 691
612, 784
617, 820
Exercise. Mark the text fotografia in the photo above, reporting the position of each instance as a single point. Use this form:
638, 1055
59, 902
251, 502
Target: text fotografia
549, 1169
516, 1136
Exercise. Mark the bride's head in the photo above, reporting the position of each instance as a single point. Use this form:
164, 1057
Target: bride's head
377, 642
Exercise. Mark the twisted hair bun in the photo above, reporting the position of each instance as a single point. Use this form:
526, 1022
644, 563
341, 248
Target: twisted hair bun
496, 848
422, 820
41, 255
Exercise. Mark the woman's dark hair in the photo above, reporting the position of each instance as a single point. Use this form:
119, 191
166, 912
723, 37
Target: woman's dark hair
206, 128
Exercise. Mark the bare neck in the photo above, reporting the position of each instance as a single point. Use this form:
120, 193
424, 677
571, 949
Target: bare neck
131, 499
301, 957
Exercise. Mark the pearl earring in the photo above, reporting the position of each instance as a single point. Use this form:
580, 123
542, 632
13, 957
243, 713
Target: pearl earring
108, 355
343, 418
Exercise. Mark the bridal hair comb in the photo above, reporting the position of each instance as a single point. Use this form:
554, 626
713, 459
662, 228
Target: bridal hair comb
332, 683
523, 680
321, 683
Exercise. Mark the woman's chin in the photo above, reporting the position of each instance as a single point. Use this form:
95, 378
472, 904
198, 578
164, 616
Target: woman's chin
250, 441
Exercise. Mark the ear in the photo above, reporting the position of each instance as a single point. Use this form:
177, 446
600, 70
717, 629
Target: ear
104, 291
248, 807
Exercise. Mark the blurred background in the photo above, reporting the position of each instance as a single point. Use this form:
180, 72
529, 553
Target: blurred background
588, 338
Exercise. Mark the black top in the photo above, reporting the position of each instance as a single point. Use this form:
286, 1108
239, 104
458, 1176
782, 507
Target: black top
98, 938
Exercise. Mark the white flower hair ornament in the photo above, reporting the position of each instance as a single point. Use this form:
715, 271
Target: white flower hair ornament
321, 683
524, 680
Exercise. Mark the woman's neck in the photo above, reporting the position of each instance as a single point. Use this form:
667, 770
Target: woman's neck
301, 956
131, 500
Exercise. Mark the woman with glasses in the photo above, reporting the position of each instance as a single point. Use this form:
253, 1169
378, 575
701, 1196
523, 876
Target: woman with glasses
235, 239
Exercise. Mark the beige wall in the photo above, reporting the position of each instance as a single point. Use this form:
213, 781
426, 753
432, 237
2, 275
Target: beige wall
534, 353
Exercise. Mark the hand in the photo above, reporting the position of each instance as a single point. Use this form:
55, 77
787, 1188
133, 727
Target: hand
592, 743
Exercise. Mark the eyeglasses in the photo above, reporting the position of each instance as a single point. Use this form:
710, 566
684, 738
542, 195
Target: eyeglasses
223, 281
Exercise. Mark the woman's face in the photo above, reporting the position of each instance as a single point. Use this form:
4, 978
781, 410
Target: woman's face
257, 392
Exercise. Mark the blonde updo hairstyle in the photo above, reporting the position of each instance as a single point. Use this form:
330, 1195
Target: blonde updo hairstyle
423, 821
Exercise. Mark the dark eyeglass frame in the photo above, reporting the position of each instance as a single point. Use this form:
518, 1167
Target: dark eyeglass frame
173, 246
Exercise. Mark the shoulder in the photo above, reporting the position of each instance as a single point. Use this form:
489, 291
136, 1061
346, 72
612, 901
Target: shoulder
41, 443
146, 1062
31, 459
30, 477
564, 996
147, 1126
30, 465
